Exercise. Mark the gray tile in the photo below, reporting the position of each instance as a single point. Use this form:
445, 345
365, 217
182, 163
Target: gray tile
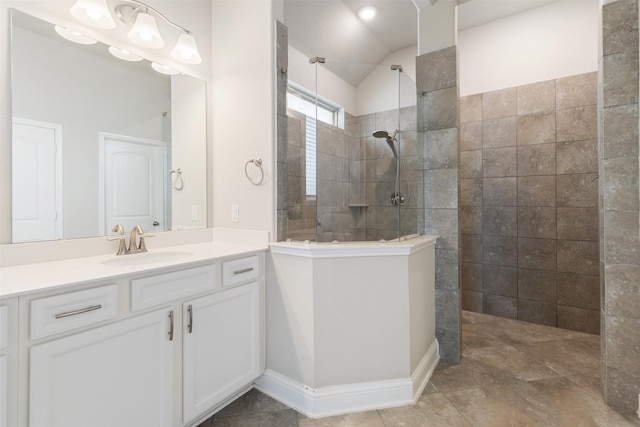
470, 220
252, 402
620, 131
472, 301
538, 312
440, 148
368, 418
438, 109
499, 103
536, 128
537, 191
577, 157
567, 356
621, 241
537, 97
620, 78
499, 132
537, 222
437, 70
449, 345
499, 191
621, 389
579, 319
578, 290
576, 91
471, 136
537, 254
441, 188
537, 285
500, 221
578, 257
471, 276
498, 162
538, 159
621, 184
471, 108
468, 374
497, 250
499, 305
499, 280
475, 335
578, 224
471, 192
620, 26
576, 124
471, 164
447, 304
284, 418
446, 269
471, 248
577, 190
622, 290
443, 223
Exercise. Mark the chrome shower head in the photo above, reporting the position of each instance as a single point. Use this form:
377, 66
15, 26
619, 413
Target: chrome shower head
390, 139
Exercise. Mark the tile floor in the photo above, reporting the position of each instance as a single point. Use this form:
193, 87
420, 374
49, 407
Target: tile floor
512, 373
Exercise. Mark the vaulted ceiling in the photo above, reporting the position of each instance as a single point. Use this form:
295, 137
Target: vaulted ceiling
332, 28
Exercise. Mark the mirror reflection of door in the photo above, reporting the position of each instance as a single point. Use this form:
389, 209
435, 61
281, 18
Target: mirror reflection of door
132, 184
37, 181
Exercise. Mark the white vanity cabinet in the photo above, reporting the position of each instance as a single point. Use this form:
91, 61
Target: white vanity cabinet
162, 347
8, 362
120, 374
221, 347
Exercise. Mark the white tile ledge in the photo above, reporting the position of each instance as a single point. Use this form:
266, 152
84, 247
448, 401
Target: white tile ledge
352, 249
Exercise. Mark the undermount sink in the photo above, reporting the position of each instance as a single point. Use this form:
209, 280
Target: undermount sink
147, 258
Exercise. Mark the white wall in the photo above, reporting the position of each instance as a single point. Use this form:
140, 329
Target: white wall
243, 112
556, 40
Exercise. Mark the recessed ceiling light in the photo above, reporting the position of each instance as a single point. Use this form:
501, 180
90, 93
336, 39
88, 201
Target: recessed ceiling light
367, 12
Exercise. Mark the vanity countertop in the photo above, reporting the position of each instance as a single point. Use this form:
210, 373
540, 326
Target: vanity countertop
29, 278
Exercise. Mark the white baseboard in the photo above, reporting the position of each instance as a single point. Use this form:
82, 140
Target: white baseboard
348, 398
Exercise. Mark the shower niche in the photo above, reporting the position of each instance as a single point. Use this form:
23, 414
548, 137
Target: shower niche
352, 152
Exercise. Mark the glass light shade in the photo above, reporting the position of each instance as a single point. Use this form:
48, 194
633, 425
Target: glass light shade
163, 69
125, 55
145, 32
74, 36
93, 12
186, 50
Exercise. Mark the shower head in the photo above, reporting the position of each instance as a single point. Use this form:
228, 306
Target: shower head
390, 139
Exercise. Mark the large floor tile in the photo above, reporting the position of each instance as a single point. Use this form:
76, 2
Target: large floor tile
475, 335
368, 418
252, 402
465, 375
430, 410
506, 361
284, 418
566, 357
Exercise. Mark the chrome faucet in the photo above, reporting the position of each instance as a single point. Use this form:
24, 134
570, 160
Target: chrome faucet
136, 240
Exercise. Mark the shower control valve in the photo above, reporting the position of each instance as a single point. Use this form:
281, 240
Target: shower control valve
397, 199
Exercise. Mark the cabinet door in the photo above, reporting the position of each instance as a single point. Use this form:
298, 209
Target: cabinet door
115, 375
221, 350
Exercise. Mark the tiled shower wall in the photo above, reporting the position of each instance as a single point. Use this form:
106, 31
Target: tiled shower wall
355, 176
529, 203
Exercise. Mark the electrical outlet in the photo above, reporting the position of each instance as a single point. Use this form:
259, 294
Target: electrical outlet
235, 213
194, 212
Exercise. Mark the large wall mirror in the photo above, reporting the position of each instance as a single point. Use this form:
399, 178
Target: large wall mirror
99, 141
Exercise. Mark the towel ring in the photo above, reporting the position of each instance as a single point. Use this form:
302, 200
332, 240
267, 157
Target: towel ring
177, 183
258, 162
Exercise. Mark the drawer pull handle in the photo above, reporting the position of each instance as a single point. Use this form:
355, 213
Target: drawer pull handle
244, 270
190, 325
171, 325
80, 311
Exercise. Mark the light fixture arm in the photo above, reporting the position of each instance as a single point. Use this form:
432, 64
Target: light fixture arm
128, 16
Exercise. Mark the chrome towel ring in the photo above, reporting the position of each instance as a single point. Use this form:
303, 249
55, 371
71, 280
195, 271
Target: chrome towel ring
176, 181
258, 163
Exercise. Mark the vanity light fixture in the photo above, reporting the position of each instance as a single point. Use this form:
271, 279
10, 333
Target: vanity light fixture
74, 36
93, 12
163, 69
367, 12
125, 55
141, 18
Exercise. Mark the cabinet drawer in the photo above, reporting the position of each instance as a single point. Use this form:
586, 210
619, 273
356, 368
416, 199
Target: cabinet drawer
163, 288
239, 270
4, 326
64, 312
